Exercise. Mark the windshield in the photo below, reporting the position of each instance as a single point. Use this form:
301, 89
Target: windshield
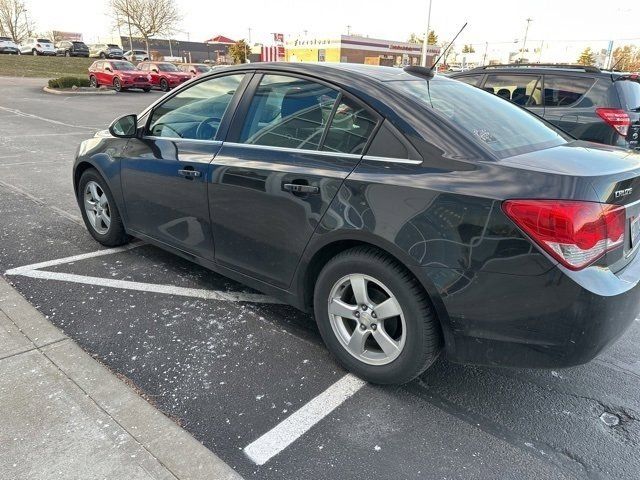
201, 68
498, 124
123, 66
630, 94
111, 45
167, 67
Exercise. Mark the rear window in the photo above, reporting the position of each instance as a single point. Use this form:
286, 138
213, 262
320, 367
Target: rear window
629, 94
499, 125
111, 45
78, 43
43, 40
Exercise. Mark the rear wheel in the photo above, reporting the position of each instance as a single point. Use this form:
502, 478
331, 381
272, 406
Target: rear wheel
93, 81
67, 53
375, 317
99, 210
102, 55
164, 85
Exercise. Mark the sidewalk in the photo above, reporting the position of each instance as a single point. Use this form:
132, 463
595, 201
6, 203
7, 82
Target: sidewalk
65, 416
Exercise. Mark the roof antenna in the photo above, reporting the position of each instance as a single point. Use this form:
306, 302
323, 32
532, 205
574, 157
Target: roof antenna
428, 72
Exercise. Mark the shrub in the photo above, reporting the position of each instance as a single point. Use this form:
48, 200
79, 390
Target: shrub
68, 82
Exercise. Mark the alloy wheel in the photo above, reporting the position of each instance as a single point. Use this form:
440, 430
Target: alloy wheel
96, 206
117, 85
367, 319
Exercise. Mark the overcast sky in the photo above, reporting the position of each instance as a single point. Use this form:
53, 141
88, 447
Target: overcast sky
492, 21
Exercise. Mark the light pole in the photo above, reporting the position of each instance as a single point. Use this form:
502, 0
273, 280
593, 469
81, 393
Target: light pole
425, 41
524, 42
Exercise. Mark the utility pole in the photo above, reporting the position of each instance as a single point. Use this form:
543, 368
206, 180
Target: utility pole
484, 58
524, 42
425, 40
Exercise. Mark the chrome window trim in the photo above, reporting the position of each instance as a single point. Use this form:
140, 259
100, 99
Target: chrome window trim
179, 139
405, 161
294, 150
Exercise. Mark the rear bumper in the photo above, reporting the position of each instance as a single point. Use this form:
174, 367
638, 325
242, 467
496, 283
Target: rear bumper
557, 319
10, 50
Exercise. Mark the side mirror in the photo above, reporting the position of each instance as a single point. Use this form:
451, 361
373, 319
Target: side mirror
108, 69
124, 127
154, 70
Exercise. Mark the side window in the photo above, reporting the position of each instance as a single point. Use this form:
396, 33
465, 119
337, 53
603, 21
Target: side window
144, 67
350, 128
388, 143
195, 113
470, 79
564, 91
288, 112
524, 90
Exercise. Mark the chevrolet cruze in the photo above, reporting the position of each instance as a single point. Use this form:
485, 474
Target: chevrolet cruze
411, 214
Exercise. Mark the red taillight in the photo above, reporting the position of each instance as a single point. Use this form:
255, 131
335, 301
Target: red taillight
573, 232
618, 119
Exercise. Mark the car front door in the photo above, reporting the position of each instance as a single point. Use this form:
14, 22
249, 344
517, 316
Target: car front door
165, 172
289, 149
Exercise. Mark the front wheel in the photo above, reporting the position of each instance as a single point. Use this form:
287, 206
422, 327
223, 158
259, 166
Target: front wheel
117, 85
34, 52
164, 85
67, 54
102, 55
99, 210
375, 317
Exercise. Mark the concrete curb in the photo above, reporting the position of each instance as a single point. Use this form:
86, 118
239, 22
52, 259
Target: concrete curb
174, 449
55, 91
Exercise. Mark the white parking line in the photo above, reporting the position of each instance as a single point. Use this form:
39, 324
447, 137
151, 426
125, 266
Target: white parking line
289, 430
35, 271
48, 120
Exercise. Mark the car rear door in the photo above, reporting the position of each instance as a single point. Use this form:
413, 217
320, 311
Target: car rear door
568, 105
289, 149
165, 173
522, 89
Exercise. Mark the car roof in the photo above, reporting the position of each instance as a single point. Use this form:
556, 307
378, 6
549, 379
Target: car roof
578, 70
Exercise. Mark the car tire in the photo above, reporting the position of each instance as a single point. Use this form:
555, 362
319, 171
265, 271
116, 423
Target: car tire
415, 331
115, 234
146, 90
145, 59
117, 85
164, 85
93, 81
102, 55
34, 52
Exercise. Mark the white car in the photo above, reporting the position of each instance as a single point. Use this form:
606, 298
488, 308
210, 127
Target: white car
37, 46
7, 46
136, 56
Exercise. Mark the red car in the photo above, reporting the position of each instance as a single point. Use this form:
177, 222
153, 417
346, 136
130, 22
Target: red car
194, 69
118, 74
164, 75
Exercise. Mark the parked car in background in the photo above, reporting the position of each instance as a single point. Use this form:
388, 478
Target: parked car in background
589, 103
136, 55
68, 48
8, 46
194, 69
37, 46
164, 75
106, 50
119, 74
412, 214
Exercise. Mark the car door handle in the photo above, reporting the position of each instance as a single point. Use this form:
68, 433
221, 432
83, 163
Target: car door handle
297, 188
189, 173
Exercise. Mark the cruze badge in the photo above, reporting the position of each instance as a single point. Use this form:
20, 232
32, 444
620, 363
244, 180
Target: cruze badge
623, 193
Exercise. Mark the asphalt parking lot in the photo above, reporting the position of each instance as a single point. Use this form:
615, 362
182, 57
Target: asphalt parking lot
231, 365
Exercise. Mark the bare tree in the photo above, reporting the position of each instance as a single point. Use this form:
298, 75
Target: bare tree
148, 18
13, 20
